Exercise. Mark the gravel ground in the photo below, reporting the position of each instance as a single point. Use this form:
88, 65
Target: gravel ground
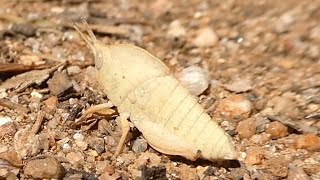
253, 65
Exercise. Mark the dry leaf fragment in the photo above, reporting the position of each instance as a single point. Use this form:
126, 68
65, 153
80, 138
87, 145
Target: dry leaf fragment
24, 80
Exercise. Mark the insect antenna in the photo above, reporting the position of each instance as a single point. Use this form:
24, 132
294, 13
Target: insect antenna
88, 40
89, 31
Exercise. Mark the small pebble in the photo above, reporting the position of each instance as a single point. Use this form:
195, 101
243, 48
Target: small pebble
160, 7
262, 124
33, 43
59, 83
297, 174
51, 103
24, 29
205, 37
285, 105
277, 130
78, 56
71, 36
82, 145
187, 173
246, 128
92, 153
75, 158
308, 141
66, 146
26, 143
73, 70
254, 156
47, 168
58, 52
176, 29
277, 166
195, 79
284, 22
260, 138
239, 85
3, 94
78, 136
54, 122
5, 120
97, 144
36, 94
234, 107
139, 145
101, 165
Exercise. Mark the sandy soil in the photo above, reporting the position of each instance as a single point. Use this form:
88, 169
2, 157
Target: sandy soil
257, 75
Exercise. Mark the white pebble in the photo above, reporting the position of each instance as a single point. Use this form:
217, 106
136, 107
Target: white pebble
195, 79
3, 95
78, 136
36, 95
176, 29
66, 146
5, 120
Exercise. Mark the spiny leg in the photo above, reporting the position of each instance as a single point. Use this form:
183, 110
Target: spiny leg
125, 127
104, 109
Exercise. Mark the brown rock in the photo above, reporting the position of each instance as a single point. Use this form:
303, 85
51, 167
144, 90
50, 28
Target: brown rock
46, 168
246, 128
254, 156
234, 107
12, 157
51, 102
277, 130
59, 83
308, 141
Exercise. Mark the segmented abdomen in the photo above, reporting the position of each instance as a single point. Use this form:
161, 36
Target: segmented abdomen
164, 101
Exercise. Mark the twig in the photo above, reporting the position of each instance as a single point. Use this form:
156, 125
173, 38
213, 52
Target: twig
13, 106
36, 126
14, 67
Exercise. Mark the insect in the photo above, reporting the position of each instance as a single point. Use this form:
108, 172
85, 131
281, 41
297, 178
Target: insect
168, 116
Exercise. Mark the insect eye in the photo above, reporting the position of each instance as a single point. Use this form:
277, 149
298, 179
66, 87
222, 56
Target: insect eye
99, 60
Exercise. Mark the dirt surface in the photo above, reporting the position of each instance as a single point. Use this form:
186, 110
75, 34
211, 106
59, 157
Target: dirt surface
258, 75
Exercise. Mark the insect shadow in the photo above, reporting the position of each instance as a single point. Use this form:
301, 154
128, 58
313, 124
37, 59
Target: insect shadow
202, 162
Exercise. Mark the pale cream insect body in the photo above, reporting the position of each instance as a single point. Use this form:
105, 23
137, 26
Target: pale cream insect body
168, 116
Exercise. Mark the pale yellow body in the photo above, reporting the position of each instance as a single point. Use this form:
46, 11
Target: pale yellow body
167, 115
